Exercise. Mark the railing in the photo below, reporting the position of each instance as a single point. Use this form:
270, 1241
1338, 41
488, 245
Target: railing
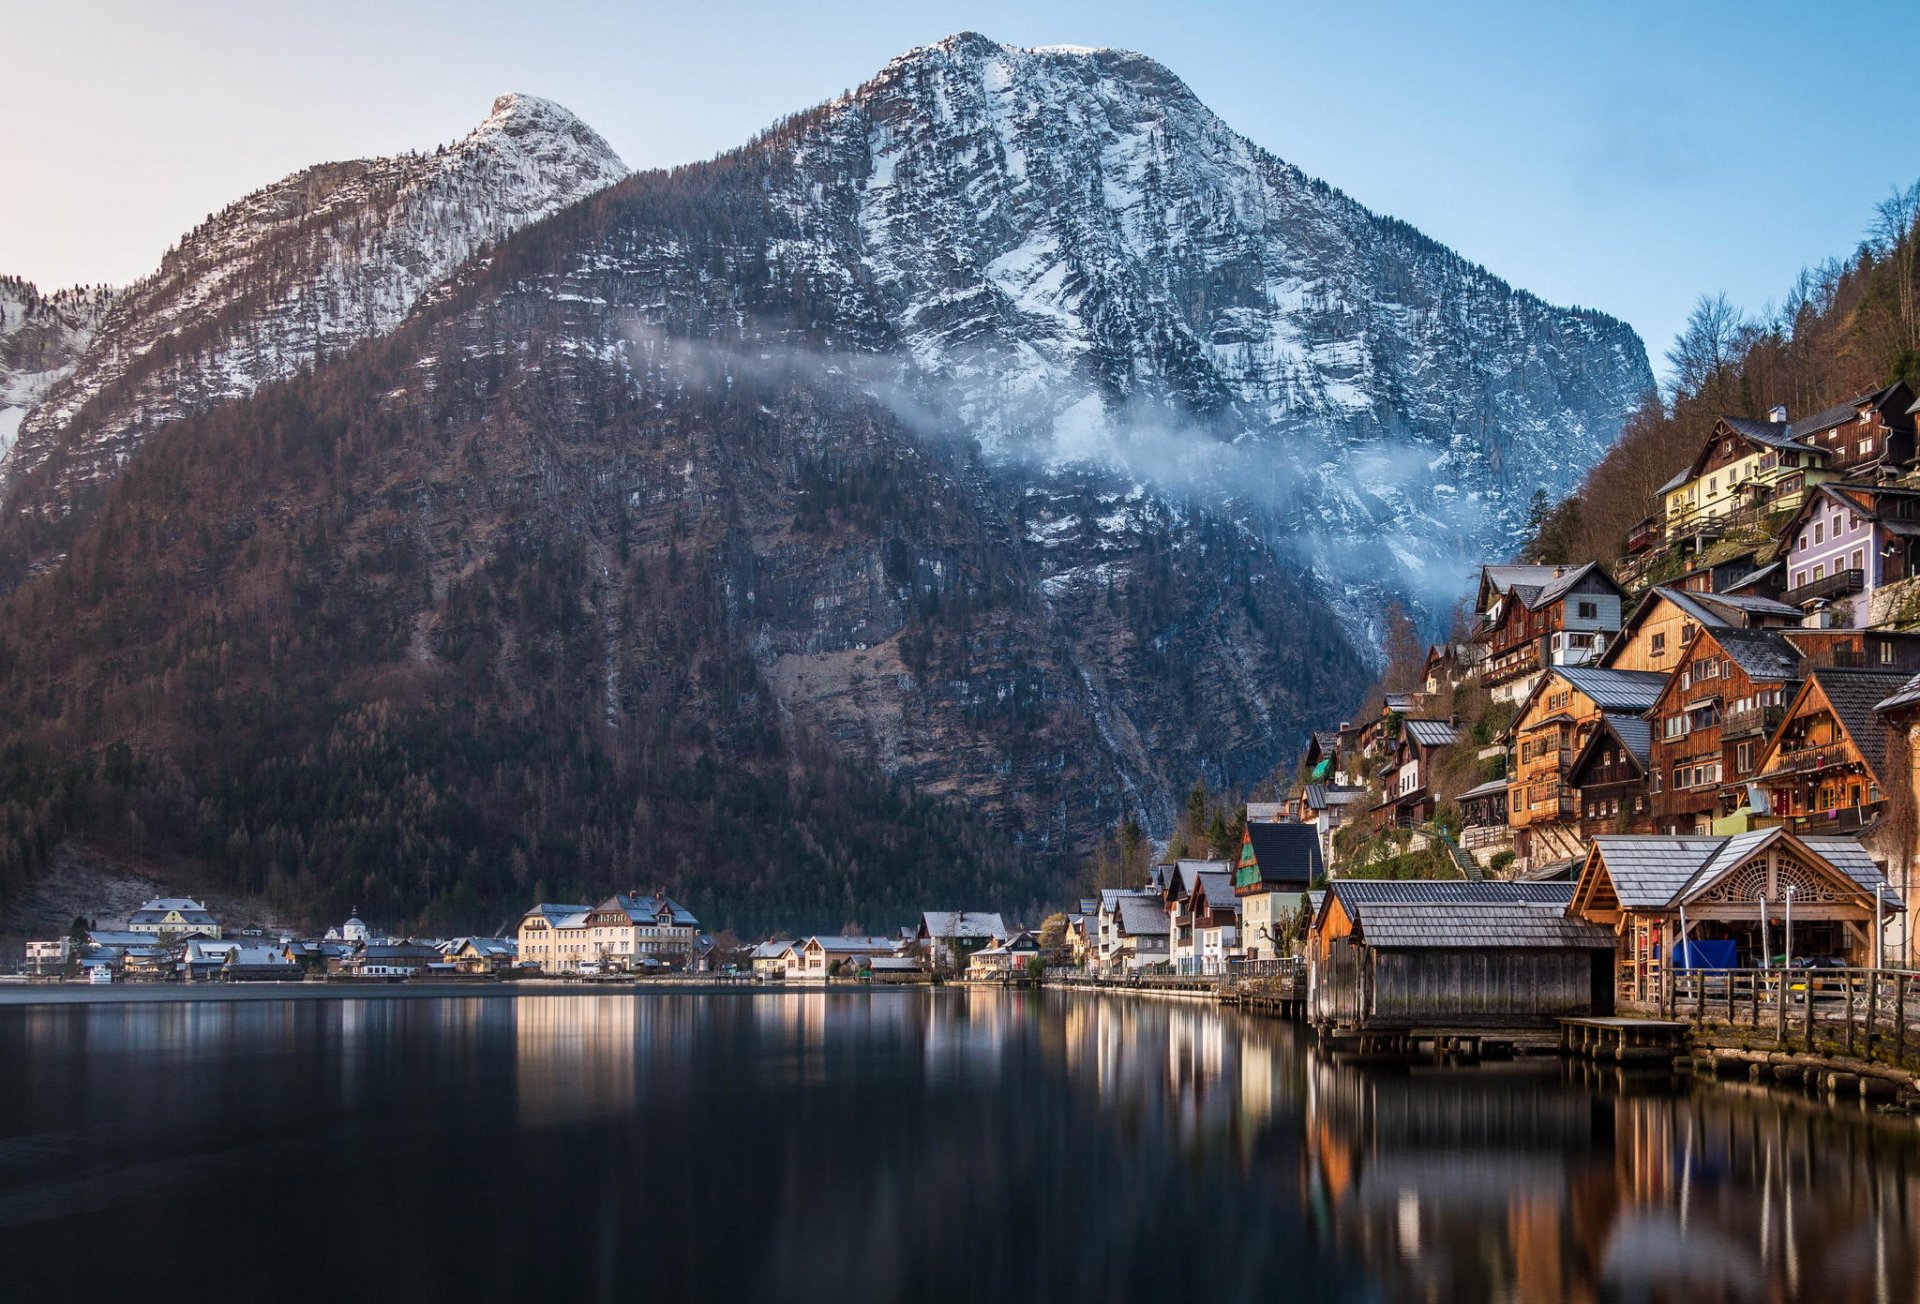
1478, 837
1862, 1013
1647, 534
1838, 819
1832, 586
1752, 720
1806, 760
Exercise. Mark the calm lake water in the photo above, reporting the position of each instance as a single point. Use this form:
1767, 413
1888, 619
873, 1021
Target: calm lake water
892, 1145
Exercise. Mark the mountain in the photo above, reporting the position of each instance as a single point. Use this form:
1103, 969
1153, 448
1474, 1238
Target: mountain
42, 338
288, 277
866, 518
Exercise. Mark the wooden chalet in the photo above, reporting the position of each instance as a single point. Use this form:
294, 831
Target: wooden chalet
1666, 618
1484, 831
1323, 763
1409, 775
1869, 434
1611, 776
1652, 893
1544, 739
1465, 960
1823, 771
1448, 666
1567, 621
1712, 720
1743, 471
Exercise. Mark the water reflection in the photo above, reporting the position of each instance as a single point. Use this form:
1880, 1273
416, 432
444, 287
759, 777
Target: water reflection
914, 1145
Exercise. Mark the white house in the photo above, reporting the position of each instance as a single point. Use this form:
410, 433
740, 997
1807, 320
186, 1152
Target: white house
174, 917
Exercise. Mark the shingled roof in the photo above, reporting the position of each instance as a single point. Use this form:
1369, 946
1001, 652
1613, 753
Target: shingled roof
1432, 733
1760, 654
1854, 694
1615, 690
1286, 855
1656, 871
1360, 892
1908, 695
1456, 925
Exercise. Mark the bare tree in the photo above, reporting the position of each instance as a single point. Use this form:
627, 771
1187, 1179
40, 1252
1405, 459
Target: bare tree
1703, 354
1894, 221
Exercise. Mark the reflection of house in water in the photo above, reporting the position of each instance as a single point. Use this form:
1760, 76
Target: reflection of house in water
574, 1056
1522, 1184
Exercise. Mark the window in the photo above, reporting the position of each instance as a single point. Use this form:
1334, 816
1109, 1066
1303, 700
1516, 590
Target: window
1819, 531
1676, 726
1865, 447
1743, 758
1799, 579
1853, 520
1591, 610
1886, 654
1820, 572
1659, 644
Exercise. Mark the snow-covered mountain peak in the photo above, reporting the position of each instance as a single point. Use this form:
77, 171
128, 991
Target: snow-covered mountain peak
294, 273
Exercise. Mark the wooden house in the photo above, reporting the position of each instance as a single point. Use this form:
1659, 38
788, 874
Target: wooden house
1454, 965
1822, 770
1653, 893
1409, 798
1484, 832
1743, 471
1323, 757
1610, 776
1566, 622
1727, 694
1215, 912
1544, 739
1179, 880
1339, 906
1666, 618
1869, 434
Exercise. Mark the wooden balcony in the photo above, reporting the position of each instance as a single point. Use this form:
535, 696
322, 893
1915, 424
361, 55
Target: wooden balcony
1755, 721
1836, 585
1648, 534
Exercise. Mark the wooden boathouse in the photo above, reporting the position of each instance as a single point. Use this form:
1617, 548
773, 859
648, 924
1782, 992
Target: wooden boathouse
1433, 967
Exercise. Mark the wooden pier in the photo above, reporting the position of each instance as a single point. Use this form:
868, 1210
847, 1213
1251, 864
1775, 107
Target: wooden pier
1623, 1040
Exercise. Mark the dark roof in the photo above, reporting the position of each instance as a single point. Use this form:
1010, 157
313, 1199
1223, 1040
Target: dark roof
1908, 695
1773, 434
1750, 579
1319, 796
1357, 893
1760, 654
1454, 925
1287, 854
1632, 732
1839, 412
1747, 604
1487, 789
1853, 694
1560, 587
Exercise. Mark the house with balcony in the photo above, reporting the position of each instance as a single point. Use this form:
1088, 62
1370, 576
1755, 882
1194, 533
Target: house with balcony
1611, 776
1530, 628
1743, 471
1483, 821
1711, 722
1846, 542
1409, 796
1544, 739
1823, 770
1867, 437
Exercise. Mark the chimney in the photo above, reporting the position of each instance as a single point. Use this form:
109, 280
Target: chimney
1559, 572
1777, 414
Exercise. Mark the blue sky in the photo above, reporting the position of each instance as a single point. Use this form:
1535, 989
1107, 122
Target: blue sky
1625, 156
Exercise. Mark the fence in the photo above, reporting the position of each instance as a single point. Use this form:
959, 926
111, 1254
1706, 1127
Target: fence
1861, 1013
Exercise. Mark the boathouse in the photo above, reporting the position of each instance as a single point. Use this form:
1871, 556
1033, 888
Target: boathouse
1652, 893
1436, 966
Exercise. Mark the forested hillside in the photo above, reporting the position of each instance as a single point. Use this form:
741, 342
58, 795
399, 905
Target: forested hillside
1844, 327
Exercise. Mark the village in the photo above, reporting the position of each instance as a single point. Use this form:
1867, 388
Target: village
1614, 793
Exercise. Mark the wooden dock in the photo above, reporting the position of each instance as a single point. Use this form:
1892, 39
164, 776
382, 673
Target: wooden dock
1623, 1040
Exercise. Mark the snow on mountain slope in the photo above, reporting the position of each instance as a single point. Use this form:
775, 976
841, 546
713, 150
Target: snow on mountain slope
298, 272
1088, 266
41, 340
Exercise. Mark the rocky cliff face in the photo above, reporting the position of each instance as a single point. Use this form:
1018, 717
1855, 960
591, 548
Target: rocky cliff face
290, 276
876, 513
42, 338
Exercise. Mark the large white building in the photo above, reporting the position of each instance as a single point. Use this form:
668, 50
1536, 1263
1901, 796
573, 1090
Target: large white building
179, 917
624, 932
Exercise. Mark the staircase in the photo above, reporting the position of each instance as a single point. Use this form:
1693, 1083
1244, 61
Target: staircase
1466, 864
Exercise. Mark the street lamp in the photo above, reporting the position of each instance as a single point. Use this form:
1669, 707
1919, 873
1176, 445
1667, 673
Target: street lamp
1789, 893
1766, 957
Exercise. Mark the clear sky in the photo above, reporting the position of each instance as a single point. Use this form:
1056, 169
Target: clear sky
1625, 155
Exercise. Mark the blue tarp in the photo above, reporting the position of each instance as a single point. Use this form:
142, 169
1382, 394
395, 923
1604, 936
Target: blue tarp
1707, 955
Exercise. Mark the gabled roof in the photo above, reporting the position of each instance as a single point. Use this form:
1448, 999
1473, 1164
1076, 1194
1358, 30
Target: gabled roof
1633, 733
560, 915
1452, 925
1558, 588
1908, 694
1653, 872
1688, 603
1847, 411
1759, 653
1142, 916
1356, 893
1614, 690
1853, 695
1285, 855
1431, 733
851, 945
1768, 434
1750, 579
1499, 580
1319, 796
1487, 789
946, 925
1747, 605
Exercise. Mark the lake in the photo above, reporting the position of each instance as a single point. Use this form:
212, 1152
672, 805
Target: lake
891, 1145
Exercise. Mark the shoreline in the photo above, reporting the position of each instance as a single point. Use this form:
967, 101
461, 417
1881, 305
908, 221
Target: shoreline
24, 995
